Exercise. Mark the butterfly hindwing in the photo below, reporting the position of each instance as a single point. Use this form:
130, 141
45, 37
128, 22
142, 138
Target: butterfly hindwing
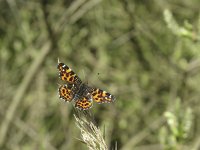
66, 93
83, 103
101, 96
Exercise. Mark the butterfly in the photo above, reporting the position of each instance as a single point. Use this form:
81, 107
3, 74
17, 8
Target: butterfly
79, 92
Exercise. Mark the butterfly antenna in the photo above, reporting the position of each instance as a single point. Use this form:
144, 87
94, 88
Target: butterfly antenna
83, 74
98, 74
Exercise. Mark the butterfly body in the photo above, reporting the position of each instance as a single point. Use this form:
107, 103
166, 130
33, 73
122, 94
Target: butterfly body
83, 90
82, 94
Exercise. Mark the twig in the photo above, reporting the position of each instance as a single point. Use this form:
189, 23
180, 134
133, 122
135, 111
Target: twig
196, 144
18, 96
77, 15
140, 136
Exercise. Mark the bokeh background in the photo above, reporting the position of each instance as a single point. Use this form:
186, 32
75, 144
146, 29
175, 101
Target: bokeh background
146, 53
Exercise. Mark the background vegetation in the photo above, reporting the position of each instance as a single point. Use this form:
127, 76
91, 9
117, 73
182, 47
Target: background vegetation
146, 53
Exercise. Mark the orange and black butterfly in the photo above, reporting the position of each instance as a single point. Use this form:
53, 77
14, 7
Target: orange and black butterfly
82, 94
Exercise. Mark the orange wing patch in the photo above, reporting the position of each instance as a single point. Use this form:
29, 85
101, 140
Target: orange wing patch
65, 93
83, 103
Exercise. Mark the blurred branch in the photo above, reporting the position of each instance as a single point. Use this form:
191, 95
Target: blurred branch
85, 8
196, 145
149, 147
27, 130
194, 67
51, 33
133, 38
69, 12
67, 19
18, 96
143, 134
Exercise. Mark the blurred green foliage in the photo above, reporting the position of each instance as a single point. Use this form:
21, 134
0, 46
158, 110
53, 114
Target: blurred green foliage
146, 53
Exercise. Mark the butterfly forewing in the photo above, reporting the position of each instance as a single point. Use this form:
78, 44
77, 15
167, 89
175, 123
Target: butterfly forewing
83, 103
66, 74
